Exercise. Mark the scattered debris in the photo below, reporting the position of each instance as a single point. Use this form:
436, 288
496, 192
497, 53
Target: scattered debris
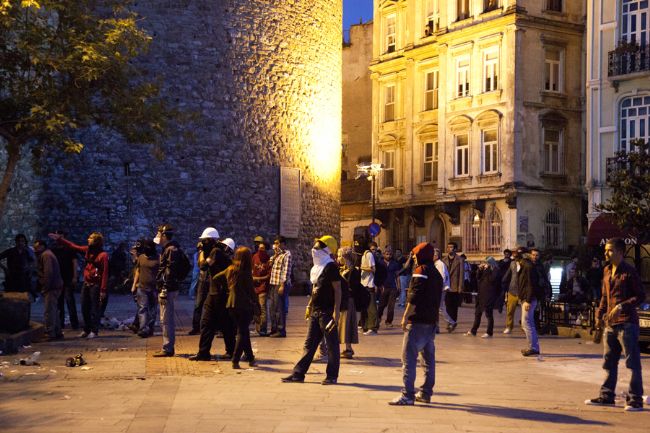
86, 368
116, 324
66, 397
52, 371
27, 346
32, 360
77, 361
30, 374
102, 349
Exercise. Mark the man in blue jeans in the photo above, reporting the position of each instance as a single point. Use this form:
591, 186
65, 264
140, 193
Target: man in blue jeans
622, 293
419, 324
530, 293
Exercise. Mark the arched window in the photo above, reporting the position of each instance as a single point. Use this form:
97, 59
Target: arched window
554, 228
635, 120
635, 20
493, 230
471, 227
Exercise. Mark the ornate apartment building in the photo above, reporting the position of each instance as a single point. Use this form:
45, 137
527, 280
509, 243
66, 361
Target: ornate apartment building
618, 87
477, 120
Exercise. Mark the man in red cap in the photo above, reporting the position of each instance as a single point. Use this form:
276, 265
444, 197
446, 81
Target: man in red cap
419, 324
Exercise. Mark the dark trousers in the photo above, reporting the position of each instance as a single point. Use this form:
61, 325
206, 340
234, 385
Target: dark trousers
452, 302
90, 307
214, 318
201, 294
386, 299
478, 313
103, 305
241, 320
67, 298
623, 340
51, 312
316, 332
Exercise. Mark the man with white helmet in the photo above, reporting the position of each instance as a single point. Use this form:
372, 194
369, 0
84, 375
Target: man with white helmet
322, 312
207, 241
214, 316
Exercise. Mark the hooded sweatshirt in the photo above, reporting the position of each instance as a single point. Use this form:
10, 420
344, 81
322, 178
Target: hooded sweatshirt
426, 287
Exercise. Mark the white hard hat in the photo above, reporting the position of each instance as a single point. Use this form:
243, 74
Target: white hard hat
209, 233
229, 243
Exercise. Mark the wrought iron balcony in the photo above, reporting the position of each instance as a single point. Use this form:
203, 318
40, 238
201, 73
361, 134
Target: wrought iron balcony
629, 61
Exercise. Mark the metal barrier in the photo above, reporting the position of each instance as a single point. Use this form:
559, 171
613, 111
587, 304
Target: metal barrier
554, 314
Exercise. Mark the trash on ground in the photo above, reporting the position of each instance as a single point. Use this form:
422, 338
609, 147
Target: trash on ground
32, 360
66, 397
52, 371
76, 361
102, 349
30, 374
86, 368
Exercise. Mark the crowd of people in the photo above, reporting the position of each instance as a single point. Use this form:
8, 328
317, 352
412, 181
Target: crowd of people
351, 289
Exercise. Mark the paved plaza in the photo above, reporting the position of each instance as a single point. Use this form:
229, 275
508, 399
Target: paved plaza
482, 385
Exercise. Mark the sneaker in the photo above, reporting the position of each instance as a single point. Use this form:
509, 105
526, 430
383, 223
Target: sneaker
451, 327
388, 325
600, 401
633, 406
507, 330
486, 336
329, 381
83, 335
470, 334
224, 357
236, 366
278, 335
91, 336
293, 379
252, 363
422, 398
347, 354
199, 357
370, 332
163, 354
529, 352
402, 400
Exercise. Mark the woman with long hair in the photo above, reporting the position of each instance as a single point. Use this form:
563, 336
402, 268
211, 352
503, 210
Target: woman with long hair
242, 302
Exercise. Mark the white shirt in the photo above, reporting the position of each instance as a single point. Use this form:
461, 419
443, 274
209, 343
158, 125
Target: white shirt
368, 277
444, 273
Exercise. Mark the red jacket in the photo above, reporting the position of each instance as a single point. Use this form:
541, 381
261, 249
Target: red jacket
261, 268
96, 269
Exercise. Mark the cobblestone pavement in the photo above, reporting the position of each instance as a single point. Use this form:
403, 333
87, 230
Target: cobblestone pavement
482, 386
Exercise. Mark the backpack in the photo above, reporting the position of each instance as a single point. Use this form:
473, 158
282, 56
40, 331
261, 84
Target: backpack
184, 265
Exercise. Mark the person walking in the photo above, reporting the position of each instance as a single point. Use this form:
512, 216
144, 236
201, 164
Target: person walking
261, 276
350, 284
95, 279
280, 284
622, 293
144, 286
242, 303
489, 288
419, 325
69, 264
168, 281
510, 285
454, 297
323, 312
50, 285
389, 289
368, 267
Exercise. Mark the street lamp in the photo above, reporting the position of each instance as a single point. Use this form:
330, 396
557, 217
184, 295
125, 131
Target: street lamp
370, 172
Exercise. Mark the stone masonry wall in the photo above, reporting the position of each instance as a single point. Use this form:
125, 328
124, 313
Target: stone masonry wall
265, 78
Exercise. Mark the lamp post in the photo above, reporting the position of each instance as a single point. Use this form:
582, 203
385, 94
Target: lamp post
370, 172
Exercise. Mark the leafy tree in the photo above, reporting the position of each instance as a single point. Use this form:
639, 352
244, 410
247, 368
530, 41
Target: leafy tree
69, 64
629, 178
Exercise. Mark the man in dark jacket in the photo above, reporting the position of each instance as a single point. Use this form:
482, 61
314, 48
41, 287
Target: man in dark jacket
456, 268
530, 294
419, 324
50, 285
617, 313
19, 266
168, 281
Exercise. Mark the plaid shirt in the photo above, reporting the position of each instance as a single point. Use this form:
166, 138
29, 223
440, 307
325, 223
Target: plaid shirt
280, 268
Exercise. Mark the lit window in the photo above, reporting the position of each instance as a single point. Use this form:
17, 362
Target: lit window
462, 154
432, 17
635, 18
430, 158
462, 77
552, 150
490, 143
388, 173
554, 229
389, 103
472, 223
554, 5
462, 8
493, 230
635, 120
553, 71
391, 36
490, 70
490, 5
431, 90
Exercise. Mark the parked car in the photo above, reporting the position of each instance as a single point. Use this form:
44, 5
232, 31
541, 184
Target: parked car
644, 320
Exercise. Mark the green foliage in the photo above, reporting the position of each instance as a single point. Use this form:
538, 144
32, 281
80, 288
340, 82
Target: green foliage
629, 178
68, 64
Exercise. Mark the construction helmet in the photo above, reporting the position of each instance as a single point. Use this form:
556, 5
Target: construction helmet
229, 243
209, 233
331, 243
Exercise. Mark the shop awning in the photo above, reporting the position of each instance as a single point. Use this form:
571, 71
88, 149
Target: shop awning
603, 229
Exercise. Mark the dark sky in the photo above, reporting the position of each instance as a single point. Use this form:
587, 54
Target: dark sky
353, 10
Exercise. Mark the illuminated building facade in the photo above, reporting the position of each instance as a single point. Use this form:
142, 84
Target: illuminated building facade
477, 120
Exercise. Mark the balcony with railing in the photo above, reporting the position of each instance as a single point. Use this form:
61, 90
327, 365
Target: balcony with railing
629, 61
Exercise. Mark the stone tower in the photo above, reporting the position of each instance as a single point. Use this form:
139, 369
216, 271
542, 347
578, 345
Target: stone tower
264, 77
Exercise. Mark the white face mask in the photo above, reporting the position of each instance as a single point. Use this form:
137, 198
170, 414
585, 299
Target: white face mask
156, 240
